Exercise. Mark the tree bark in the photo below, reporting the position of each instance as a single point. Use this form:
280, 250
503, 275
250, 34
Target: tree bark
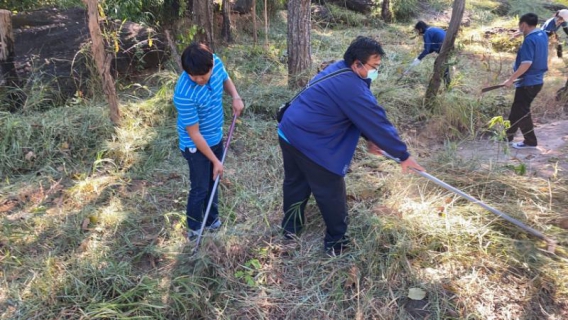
299, 55
226, 30
203, 17
102, 60
386, 12
266, 23
254, 31
442, 59
8, 74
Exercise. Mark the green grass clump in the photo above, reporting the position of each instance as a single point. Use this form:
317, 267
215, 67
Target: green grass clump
46, 140
404, 10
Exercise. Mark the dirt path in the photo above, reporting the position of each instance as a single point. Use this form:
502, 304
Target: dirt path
550, 159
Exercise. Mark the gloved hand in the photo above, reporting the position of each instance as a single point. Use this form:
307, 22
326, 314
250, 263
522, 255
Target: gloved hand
415, 63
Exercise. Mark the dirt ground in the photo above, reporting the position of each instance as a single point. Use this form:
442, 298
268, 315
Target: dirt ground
548, 160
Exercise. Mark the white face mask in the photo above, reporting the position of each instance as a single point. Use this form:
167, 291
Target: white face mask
373, 74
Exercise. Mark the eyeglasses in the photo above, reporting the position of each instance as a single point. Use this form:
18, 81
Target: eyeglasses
374, 68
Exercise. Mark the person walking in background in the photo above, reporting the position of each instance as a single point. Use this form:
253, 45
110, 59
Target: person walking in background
530, 65
198, 98
551, 26
433, 40
318, 135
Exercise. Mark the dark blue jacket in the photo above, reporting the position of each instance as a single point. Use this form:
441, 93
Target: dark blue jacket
326, 121
550, 27
534, 50
433, 40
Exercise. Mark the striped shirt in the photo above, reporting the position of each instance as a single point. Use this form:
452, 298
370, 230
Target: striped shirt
201, 104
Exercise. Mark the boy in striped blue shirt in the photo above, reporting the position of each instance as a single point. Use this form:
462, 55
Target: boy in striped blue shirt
198, 98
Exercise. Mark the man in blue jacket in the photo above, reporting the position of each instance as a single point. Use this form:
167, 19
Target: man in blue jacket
318, 136
433, 40
531, 64
551, 26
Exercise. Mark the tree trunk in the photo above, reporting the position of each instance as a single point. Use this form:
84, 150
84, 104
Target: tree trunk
386, 12
299, 55
441, 61
266, 23
254, 31
102, 60
226, 30
203, 17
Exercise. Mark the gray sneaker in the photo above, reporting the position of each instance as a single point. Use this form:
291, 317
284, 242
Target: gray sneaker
522, 145
192, 235
216, 225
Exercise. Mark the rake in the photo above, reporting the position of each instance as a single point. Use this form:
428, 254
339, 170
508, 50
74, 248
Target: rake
200, 234
551, 242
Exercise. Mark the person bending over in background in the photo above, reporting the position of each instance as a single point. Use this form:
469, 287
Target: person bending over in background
198, 101
531, 64
551, 26
433, 40
318, 135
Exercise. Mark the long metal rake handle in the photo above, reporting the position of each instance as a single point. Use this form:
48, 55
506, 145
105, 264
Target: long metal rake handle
200, 234
551, 242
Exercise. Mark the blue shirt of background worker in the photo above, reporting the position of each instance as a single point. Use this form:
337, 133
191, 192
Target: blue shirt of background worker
534, 50
433, 40
558, 21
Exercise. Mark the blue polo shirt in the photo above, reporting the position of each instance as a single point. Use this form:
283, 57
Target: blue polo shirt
326, 121
534, 50
433, 40
201, 104
550, 26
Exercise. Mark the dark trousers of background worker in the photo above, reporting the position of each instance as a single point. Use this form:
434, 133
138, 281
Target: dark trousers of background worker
447, 78
520, 116
303, 177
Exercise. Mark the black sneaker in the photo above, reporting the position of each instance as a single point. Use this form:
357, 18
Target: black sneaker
338, 248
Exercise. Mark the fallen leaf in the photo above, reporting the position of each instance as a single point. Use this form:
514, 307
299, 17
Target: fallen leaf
85, 225
416, 294
353, 278
8, 205
84, 245
30, 156
64, 146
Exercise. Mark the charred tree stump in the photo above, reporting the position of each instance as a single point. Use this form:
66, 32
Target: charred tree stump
8, 74
102, 60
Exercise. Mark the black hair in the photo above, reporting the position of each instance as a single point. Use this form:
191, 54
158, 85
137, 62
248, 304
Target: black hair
421, 26
362, 48
529, 18
197, 59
